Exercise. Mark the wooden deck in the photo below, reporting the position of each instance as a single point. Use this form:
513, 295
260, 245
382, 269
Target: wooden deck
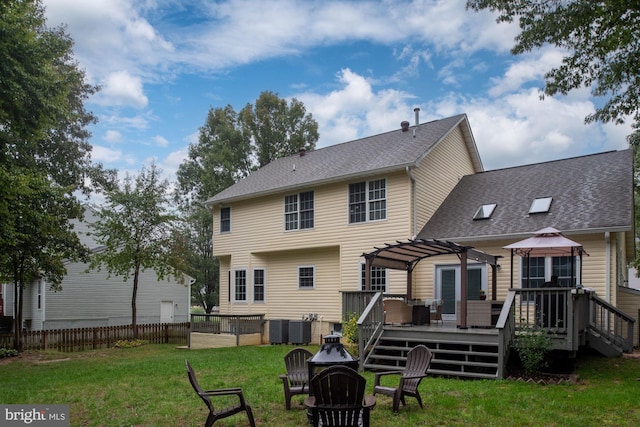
471, 353
571, 317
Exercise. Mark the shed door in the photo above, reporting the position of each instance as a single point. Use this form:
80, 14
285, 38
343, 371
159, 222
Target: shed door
166, 312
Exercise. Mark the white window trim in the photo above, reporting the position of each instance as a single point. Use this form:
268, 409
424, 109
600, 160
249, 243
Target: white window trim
253, 286
386, 276
298, 212
314, 277
367, 201
230, 221
548, 268
235, 294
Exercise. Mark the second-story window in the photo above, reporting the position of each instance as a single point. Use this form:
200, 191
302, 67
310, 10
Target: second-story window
225, 220
368, 201
299, 211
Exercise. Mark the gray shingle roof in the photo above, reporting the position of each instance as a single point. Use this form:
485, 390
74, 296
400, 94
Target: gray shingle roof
367, 156
593, 192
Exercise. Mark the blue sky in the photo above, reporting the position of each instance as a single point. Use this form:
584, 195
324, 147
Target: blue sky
360, 67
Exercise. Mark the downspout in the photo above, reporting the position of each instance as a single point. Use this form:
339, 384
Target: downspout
607, 280
414, 227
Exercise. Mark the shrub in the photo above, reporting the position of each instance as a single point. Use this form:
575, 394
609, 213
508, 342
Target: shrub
350, 328
532, 344
130, 343
8, 352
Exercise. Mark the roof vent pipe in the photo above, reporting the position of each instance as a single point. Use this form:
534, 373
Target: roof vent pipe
302, 151
417, 111
405, 126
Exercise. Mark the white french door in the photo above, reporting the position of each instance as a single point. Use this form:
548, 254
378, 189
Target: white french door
448, 286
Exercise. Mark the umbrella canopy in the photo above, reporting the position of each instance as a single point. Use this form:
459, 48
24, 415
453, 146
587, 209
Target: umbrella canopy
547, 242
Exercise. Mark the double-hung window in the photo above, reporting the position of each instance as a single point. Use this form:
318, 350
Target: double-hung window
378, 278
368, 201
306, 277
299, 211
258, 285
240, 285
225, 220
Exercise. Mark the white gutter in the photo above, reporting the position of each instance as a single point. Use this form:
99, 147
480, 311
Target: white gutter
414, 232
607, 280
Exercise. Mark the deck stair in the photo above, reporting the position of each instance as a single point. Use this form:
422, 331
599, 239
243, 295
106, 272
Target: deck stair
456, 353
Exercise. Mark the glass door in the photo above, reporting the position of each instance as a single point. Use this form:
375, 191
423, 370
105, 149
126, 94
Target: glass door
448, 286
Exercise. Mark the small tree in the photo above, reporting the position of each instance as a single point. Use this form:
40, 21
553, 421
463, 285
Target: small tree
136, 230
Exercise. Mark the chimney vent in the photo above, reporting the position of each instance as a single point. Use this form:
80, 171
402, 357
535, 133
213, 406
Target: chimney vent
417, 111
302, 151
405, 126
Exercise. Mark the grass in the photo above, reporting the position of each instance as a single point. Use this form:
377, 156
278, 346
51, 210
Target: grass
148, 386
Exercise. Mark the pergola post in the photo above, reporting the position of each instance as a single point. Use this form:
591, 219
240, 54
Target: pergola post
367, 274
463, 290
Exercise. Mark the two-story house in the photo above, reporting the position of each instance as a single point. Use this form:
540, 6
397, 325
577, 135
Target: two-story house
290, 236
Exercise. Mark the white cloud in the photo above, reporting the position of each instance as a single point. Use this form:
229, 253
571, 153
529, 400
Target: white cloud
355, 110
526, 69
105, 155
160, 141
122, 89
112, 136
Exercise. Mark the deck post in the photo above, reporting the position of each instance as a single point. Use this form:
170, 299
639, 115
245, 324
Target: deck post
463, 291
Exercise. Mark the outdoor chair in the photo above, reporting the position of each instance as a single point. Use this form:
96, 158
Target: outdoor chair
435, 309
418, 361
397, 312
215, 415
338, 398
296, 380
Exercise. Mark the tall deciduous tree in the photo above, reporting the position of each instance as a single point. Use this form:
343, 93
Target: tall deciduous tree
230, 146
45, 159
601, 41
137, 231
279, 129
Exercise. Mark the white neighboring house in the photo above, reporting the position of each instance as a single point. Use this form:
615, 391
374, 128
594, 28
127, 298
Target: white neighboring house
90, 299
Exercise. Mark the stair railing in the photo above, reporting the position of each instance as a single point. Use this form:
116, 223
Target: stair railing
370, 326
611, 323
506, 327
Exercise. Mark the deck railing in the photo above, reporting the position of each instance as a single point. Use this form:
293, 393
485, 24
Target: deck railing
506, 327
370, 326
354, 302
232, 324
611, 323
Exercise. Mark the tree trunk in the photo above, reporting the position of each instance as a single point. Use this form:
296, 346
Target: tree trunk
134, 323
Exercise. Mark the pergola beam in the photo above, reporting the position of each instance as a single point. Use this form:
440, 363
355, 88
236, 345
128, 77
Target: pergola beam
406, 255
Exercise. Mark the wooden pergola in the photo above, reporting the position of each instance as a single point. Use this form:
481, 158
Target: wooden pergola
406, 255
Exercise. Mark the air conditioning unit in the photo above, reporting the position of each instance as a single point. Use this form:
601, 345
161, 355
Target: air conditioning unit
278, 331
299, 332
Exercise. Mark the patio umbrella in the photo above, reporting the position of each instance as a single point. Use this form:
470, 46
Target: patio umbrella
546, 242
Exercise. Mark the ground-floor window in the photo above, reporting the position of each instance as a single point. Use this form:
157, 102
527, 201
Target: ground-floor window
240, 285
259, 283
306, 277
378, 278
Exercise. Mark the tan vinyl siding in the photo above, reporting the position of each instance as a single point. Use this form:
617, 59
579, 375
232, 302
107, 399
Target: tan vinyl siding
439, 172
593, 267
629, 302
258, 240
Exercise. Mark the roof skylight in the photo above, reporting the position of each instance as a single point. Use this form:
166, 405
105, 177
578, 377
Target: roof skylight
485, 211
540, 205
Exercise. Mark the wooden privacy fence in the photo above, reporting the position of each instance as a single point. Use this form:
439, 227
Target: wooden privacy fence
80, 339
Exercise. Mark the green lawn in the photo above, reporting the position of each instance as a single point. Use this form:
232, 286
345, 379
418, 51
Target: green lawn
148, 386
